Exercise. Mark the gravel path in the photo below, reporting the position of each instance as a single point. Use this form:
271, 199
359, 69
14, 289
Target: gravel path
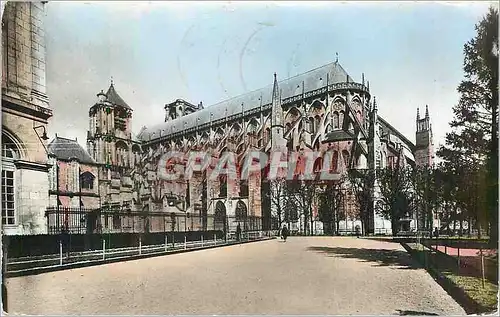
317, 275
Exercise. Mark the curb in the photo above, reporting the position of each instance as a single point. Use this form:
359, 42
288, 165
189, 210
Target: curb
457, 293
41, 270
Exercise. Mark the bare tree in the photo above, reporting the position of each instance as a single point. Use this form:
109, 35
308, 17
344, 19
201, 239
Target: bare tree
330, 199
361, 182
302, 192
278, 197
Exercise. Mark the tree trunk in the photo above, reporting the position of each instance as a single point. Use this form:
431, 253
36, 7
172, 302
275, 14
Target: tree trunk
478, 229
394, 227
461, 225
312, 220
492, 192
454, 217
469, 230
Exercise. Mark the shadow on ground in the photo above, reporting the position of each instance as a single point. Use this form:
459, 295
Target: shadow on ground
414, 313
380, 257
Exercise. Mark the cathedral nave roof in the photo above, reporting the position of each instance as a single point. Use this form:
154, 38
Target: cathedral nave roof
309, 81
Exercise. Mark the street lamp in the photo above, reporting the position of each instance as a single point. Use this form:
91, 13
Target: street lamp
42, 137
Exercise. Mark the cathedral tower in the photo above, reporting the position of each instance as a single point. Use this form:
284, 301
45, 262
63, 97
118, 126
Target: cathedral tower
424, 145
111, 145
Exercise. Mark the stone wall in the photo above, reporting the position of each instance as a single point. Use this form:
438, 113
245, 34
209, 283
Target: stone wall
24, 51
32, 196
24, 107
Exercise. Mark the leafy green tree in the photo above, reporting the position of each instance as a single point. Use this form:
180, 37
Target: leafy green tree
427, 187
396, 198
473, 141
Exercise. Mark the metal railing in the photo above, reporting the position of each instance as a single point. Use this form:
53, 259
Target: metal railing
65, 258
81, 220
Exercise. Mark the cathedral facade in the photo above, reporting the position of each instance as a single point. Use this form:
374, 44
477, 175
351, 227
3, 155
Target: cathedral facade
322, 111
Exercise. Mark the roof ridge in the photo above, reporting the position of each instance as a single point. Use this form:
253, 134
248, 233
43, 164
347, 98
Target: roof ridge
314, 69
64, 138
282, 81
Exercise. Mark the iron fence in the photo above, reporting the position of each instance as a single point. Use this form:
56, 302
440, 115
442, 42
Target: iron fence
88, 221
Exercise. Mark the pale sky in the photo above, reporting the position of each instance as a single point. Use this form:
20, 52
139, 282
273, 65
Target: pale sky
412, 54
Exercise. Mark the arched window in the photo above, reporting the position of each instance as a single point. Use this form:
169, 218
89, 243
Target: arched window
345, 155
267, 136
9, 148
335, 120
235, 131
222, 186
121, 153
241, 211
311, 124
341, 120
318, 165
243, 188
335, 161
87, 180
10, 152
317, 122
253, 127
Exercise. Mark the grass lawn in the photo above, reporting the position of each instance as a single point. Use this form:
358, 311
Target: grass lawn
486, 297
472, 285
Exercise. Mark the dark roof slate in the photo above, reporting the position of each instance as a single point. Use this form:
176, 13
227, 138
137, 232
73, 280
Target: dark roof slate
67, 149
309, 81
113, 97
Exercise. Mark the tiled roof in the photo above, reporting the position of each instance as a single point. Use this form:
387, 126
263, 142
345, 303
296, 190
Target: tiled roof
67, 149
115, 99
311, 80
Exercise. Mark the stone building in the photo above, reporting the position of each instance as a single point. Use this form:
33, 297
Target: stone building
73, 188
73, 175
322, 110
25, 115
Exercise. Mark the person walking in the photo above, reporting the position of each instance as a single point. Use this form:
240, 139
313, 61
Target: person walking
238, 232
284, 232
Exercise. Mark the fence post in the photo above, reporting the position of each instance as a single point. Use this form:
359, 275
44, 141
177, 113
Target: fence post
482, 265
458, 251
202, 241
185, 242
60, 253
215, 239
140, 245
166, 243
103, 249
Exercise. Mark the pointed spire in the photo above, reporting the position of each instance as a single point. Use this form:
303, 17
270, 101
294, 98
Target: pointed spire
276, 103
426, 111
337, 57
111, 80
418, 113
368, 85
275, 87
363, 78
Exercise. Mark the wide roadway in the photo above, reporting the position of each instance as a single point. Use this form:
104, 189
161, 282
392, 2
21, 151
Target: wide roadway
304, 275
